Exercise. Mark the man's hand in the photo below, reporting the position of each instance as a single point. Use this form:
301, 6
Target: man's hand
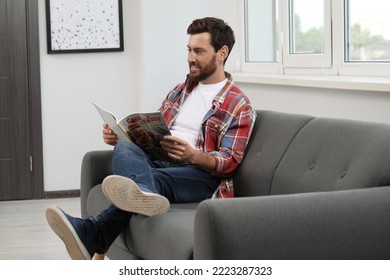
109, 136
179, 150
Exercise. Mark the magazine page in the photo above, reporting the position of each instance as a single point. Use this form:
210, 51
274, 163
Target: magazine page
111, 120
147, 130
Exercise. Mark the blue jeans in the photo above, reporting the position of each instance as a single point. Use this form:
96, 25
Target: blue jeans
178, 183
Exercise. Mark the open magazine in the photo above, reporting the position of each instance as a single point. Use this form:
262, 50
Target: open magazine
143, 129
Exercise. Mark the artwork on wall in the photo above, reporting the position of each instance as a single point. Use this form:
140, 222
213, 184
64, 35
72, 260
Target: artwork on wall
84, 26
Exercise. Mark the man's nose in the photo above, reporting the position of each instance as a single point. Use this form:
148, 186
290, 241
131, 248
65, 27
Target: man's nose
191, 57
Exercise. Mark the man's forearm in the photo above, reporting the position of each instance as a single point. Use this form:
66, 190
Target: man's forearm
204, 161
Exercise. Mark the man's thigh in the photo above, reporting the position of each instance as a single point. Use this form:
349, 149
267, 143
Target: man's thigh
184, 184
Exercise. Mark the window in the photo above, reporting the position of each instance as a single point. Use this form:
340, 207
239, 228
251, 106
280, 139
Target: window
307, 33
261, 33
338, 37
306, 26
367, 29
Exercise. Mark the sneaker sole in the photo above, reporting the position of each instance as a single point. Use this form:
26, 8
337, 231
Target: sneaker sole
65, 231
126, 195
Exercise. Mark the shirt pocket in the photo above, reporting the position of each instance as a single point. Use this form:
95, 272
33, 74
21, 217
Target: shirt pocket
214, 130
213, 125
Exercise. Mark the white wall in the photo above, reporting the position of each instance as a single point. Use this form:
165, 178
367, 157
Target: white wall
165, 43
69, 82
357, 105
153, 62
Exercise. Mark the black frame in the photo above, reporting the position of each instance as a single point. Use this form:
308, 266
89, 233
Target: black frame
80, 40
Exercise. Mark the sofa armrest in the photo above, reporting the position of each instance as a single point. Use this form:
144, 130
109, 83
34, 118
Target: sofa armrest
95, 166
352, 224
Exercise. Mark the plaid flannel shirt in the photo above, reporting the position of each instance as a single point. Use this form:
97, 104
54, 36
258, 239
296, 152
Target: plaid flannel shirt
225, 130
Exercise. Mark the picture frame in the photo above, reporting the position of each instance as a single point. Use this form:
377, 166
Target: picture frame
84, 26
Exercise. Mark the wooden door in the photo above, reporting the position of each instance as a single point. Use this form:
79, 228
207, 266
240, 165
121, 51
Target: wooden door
16, 139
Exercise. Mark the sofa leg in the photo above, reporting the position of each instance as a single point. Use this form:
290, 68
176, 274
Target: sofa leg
98, 257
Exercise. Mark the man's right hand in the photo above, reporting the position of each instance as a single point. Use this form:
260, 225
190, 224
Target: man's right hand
109, 136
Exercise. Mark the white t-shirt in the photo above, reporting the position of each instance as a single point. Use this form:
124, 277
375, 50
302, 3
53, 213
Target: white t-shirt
189, 120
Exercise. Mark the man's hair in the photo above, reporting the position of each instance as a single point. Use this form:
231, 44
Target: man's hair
220, 32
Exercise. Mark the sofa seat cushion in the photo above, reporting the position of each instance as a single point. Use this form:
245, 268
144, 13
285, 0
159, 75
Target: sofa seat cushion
166, 236
96, 201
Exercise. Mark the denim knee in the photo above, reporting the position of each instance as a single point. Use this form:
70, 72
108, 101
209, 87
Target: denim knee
124, 147
128, 159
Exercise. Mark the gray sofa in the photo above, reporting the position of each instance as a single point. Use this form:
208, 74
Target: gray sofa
308, 188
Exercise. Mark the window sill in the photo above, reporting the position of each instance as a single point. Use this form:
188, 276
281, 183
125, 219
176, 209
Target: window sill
381, 84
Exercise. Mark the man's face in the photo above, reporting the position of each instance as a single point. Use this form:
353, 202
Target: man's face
202, 58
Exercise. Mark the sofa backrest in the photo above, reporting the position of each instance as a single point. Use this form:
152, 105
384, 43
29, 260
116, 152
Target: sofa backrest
291, 153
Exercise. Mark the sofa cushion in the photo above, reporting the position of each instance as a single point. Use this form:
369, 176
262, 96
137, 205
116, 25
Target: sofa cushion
272, 134
166, 236
334, 154
96, 201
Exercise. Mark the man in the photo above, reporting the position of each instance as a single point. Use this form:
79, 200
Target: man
211, 121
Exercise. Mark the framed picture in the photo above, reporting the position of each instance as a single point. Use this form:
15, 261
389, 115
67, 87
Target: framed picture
84, 26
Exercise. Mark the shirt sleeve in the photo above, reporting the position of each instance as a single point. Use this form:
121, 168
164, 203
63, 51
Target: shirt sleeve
234, 140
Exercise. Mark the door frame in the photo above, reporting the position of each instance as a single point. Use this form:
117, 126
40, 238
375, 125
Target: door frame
34, 91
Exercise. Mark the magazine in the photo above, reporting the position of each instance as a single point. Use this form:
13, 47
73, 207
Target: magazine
146, 130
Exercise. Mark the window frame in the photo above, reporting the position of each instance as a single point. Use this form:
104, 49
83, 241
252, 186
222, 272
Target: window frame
334, 62
257, 67
376, 69
293, 60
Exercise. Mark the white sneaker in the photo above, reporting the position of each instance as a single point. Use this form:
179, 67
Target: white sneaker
126, 195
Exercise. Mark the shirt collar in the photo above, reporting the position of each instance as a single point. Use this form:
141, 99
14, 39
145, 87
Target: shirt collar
189, 85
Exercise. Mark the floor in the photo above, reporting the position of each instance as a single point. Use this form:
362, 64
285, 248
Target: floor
25, 234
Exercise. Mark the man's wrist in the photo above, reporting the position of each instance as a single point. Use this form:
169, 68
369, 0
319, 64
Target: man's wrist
204, 161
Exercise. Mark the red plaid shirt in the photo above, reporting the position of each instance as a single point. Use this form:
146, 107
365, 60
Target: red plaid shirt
225, 130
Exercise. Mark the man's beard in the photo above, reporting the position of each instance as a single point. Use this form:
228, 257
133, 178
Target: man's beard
204, 72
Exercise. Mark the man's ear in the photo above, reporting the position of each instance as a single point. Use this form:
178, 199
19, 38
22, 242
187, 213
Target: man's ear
223, 52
